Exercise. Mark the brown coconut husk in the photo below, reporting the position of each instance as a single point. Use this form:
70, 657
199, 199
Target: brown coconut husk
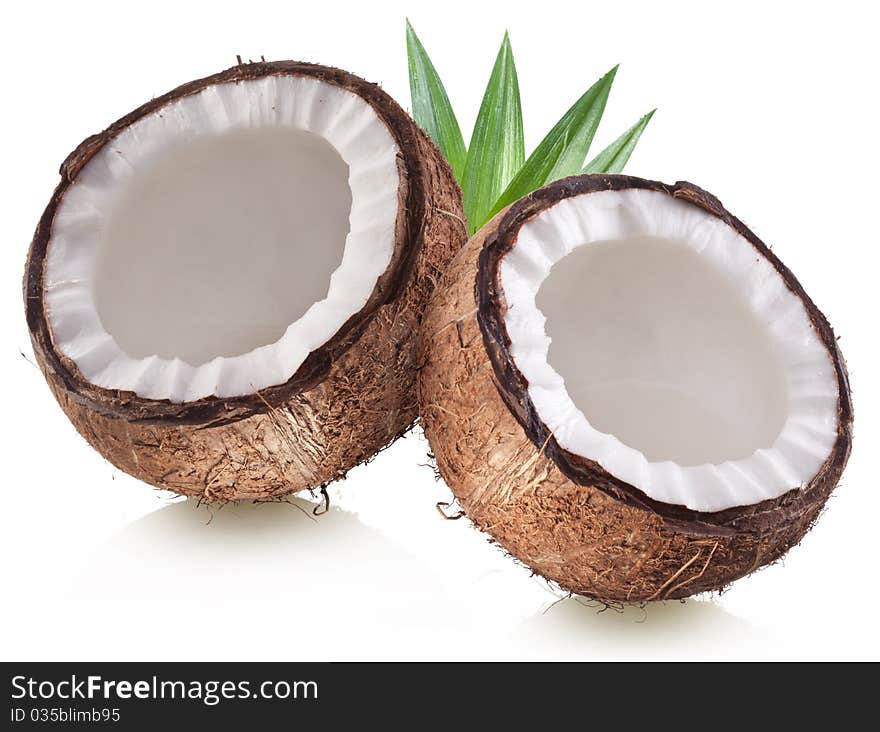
352, 396
560, 513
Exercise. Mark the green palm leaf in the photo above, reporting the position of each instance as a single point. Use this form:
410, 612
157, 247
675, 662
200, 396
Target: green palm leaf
431, 108
561, 153
614, 157
496, 149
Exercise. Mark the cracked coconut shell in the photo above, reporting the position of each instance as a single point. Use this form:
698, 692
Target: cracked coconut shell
559, 513
350, 397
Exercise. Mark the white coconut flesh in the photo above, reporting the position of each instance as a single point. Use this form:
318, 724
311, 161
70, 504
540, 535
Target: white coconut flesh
659, 343
209, 247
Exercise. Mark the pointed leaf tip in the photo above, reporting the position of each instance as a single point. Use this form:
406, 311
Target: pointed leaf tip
497, 148
614, 158
430, 103
562, 152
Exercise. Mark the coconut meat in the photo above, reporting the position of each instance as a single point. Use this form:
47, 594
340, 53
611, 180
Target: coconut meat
210, 246
659, 343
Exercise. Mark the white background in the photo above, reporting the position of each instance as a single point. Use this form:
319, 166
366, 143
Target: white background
771, 106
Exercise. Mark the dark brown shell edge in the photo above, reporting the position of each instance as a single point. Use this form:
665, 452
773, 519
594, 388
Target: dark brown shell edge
175, 446
132, 407
513, 387
600, 539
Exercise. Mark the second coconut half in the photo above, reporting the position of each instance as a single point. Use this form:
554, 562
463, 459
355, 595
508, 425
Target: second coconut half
630, 393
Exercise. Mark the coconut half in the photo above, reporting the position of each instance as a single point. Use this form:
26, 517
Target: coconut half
225, 288
630, 393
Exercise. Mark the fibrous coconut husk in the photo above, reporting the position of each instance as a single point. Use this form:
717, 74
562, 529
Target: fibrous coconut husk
352, 396
561, 514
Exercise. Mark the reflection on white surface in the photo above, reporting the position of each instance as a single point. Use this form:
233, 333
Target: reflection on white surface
578, 628
297, 585
271, 580
380, 576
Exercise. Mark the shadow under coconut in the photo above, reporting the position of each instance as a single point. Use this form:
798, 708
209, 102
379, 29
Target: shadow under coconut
255, 568
576, 627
